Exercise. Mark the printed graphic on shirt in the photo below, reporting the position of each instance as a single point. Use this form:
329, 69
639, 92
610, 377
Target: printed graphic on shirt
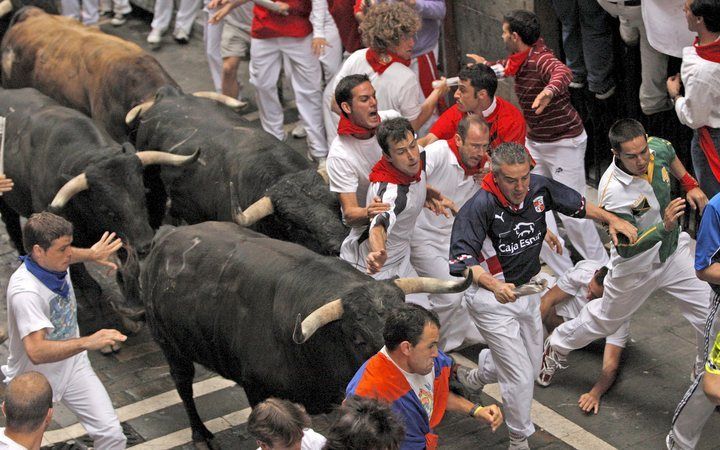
426, 398
63, 318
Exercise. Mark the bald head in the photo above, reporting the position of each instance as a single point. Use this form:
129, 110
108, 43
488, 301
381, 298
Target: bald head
27, 400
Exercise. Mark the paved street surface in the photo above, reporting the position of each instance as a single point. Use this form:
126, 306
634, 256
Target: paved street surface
635, 414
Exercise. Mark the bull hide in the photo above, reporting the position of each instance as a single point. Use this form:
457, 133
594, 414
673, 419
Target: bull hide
80, 67
227, 297
241, 154
46, 145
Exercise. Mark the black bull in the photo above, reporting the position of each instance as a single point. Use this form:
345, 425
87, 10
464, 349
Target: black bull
60, 159
240, 165
232, 299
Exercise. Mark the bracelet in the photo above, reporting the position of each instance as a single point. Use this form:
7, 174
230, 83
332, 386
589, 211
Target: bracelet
476, 407
688, 183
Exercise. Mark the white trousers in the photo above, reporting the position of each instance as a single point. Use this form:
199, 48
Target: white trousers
430, 259
653, 64
624, 295
332, 57
87, 398
116, 6
514, 335
695, 408
212, 35
89, 13
184, 19
303, 68
564, 161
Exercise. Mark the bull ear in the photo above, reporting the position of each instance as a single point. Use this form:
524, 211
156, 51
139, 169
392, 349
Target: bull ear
433, 285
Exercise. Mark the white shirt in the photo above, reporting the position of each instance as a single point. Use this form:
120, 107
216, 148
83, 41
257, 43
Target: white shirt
31, 307
397, 88
350, 161
422, 385
575, 282
700, 106
406, 203
666, 27
7, 443
444, 174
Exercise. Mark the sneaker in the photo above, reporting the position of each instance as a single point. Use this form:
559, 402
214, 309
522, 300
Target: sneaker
576, 85
552, 361
181, 37
155, 37
470, 379
670, 441
518, 442
605, 95
118, 19
299, 132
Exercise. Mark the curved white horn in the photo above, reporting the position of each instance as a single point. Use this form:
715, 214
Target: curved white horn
6, 8
138, 111
77, 184
148, 157
530, 288
433, 285
253, 213
224, 99
322, 316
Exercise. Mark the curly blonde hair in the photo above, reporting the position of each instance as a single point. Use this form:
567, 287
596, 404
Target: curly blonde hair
386, 24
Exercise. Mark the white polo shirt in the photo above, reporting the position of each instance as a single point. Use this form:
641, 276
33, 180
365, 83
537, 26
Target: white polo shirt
444, 174
350, 161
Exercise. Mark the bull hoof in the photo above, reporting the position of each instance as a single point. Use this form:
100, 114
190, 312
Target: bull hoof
131, 326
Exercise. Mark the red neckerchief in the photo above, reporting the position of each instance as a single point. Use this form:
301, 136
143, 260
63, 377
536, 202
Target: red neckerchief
469, 171
347, 127
709, 52
384, 172
373, 58
489, 184
514, 62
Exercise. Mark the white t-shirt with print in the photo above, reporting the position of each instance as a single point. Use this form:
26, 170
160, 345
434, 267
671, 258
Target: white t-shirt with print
31, 306
422, 385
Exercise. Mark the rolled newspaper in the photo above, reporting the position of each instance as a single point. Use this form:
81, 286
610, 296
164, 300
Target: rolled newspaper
454, 81
534, 286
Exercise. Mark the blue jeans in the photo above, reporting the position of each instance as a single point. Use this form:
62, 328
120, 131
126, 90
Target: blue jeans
708, 183
587, 40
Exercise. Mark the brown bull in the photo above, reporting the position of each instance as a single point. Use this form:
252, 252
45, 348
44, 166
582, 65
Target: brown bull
81, 67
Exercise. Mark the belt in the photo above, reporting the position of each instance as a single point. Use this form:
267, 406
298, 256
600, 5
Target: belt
626, 2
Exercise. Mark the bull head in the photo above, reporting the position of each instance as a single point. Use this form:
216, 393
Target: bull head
79, 183
330, 312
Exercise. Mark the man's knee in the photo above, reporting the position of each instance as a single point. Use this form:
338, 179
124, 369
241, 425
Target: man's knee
230, 66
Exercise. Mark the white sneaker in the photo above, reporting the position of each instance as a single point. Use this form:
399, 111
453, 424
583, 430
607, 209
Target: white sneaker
470, 379
181, 37
551, 362
518, 442
299, 132
155, 37
119, 19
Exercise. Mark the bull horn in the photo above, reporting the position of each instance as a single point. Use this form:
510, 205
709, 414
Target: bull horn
72, 187
253, 213
433, 285
324, 174
233, 103
322, 316
149, 157
138, 111
6, 7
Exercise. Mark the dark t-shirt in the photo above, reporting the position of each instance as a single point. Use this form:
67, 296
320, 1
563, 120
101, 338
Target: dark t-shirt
516, 236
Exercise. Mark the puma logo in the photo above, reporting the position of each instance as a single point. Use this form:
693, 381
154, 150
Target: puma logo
500, 217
